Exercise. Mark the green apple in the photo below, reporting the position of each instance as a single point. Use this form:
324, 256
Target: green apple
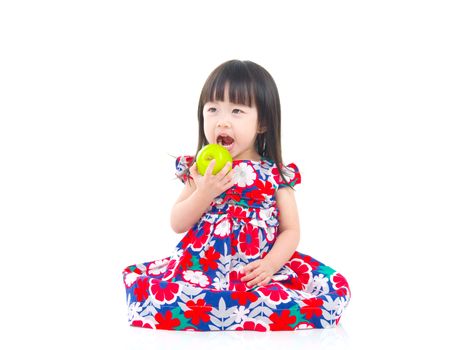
209, 152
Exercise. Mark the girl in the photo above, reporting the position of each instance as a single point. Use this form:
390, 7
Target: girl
237, 267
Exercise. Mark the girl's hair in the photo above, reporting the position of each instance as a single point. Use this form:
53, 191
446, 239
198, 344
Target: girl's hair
248, 82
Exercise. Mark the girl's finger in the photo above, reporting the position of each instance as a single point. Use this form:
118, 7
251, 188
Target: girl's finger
251, 275
259, 279
229, 184
193, 170
230, 176
209, 170
256, 280
222, 174
228, 179
265, 281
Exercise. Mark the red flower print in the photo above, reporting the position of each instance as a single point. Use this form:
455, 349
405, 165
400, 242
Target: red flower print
206, 227
292, 283
236, 211
201, 238
340, 284
274, 292
264, 189
314, 264
171, 269
140, 323
307, 259
239, 289
187, 239
244, 297
276, 175
163, 291
235, 282
166, 322
212, 254
141, 289
199, 311
281, 322
302, 269
253, 197
210, 259
232, 195
185, 261
313, 307
248, 241
291, 173
251, 325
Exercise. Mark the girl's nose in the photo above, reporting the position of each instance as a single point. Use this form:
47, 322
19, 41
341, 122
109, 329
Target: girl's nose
223, 123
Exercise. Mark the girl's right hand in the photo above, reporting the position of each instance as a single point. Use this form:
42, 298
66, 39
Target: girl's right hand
213, 185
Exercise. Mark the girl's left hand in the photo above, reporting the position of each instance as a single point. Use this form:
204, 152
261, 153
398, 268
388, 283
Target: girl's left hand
261, 271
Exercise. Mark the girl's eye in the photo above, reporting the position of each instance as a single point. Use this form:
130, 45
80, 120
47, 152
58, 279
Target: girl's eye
235, 110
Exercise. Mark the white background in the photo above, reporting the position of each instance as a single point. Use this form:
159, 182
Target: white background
95, 95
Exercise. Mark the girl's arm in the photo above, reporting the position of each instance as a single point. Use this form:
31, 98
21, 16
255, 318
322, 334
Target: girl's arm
289, 229
188, 208
197, 195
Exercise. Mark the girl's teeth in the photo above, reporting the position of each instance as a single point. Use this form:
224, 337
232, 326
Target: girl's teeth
228, 146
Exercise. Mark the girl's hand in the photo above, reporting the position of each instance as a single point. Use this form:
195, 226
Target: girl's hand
261, 271
213, 185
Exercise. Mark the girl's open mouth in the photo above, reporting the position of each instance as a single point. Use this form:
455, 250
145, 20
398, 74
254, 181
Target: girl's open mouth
225, 141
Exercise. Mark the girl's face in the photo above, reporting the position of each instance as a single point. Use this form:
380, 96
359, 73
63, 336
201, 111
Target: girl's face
233, 126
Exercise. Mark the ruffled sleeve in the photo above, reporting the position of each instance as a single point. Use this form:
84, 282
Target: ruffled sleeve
182, 165
291, 174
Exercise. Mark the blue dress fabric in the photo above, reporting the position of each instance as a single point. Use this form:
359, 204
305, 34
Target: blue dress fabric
198, 286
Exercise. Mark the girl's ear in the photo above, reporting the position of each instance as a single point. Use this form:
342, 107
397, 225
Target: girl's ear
261, 130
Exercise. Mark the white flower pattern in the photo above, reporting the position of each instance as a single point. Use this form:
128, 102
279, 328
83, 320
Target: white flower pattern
241, 313
158, 267
196, 277
244, 175
223, 228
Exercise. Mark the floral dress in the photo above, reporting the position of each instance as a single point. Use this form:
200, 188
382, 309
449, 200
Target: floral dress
199, 288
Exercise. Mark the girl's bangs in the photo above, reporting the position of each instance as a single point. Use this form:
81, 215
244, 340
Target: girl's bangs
240, 90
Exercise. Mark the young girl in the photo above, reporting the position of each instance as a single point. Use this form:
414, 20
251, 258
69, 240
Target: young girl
237, 267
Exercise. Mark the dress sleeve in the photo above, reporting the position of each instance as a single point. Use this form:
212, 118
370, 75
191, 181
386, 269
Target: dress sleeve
182, 165
291, 174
